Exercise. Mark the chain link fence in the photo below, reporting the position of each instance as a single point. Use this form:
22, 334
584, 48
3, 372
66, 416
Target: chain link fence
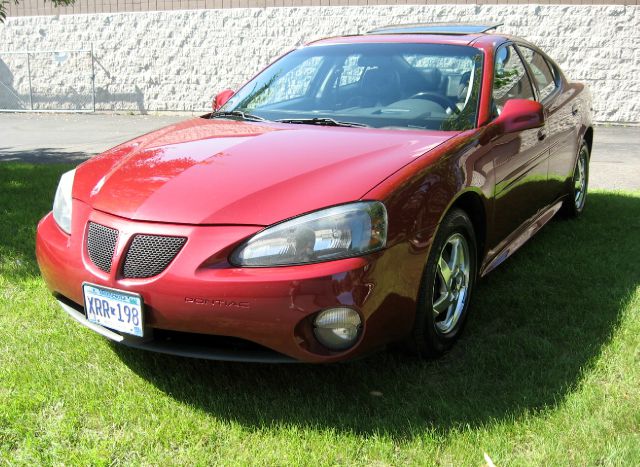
47, 81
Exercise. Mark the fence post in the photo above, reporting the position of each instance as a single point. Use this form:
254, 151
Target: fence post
29, 73
93, 80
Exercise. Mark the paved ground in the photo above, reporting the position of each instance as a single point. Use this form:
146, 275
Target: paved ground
70, 137
615, 163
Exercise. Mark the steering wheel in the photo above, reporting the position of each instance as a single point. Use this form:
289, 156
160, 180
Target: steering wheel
443, 101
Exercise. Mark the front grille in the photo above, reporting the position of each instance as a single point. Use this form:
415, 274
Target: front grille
149, 255
101, 244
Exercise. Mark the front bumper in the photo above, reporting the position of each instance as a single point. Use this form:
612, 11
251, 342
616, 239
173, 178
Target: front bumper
185, 346
200, 293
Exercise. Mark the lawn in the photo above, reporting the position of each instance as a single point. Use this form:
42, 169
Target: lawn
548, 371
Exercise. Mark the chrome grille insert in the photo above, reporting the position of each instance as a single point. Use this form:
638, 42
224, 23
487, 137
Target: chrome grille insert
101, 245
149, 255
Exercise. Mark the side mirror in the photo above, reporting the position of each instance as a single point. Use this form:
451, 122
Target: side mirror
518, 115
222, 98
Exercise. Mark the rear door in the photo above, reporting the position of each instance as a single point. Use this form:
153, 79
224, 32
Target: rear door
520, 159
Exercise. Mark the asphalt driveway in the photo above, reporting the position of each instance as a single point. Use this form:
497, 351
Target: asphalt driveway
615, 162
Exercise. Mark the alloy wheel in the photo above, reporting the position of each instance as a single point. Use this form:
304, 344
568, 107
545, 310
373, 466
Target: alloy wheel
451, 285
580, 180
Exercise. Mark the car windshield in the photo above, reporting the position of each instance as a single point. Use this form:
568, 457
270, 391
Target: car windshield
381, 85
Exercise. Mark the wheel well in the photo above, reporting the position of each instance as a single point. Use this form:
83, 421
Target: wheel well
472, 204
588, 137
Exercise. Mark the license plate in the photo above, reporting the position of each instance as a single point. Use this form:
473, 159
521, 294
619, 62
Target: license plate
114, 309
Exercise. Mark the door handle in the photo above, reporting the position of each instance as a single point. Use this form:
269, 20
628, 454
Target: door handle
541, 134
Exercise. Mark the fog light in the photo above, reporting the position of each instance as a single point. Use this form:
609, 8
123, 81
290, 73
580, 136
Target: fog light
337, 328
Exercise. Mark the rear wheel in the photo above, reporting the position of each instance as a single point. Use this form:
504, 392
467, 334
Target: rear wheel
447, 283
574, 203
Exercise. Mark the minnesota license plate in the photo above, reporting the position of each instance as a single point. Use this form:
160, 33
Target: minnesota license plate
114, 309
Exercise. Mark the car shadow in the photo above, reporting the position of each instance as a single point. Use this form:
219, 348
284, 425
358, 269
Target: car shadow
538, 324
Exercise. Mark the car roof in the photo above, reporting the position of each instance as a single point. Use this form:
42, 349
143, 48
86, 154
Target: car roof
428, 33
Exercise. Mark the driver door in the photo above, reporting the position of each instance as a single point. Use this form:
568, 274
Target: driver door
521, 158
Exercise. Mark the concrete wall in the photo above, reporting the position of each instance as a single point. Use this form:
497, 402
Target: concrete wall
177, 60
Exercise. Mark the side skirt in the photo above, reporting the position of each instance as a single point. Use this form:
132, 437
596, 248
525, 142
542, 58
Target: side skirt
519, 237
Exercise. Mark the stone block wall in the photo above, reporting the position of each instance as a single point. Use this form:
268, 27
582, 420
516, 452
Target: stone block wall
177, 60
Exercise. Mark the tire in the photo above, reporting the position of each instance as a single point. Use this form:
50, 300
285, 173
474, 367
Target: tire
573, 205
443, 306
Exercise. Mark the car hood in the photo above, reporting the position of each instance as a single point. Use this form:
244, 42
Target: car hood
227, 172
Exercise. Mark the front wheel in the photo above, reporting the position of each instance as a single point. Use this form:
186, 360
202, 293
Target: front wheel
447, 283
574, 204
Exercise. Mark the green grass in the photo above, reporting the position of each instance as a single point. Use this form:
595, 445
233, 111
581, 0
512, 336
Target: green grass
548, 371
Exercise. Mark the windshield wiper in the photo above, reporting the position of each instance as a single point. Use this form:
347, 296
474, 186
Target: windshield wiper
237, 113
321, 121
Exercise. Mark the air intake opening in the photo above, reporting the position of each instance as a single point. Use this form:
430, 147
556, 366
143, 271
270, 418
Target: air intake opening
149, 255
101, 245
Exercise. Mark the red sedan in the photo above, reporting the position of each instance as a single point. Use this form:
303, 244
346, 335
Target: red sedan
345, 198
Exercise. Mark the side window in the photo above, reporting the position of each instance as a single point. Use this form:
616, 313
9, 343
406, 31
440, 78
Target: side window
541, 72
510, 79
351, 72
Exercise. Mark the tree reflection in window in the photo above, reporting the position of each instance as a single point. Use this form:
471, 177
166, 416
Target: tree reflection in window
510, 80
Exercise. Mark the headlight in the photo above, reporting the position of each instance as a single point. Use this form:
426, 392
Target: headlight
62, 201
339, 232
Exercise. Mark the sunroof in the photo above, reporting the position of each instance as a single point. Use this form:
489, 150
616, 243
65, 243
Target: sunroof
435, 28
